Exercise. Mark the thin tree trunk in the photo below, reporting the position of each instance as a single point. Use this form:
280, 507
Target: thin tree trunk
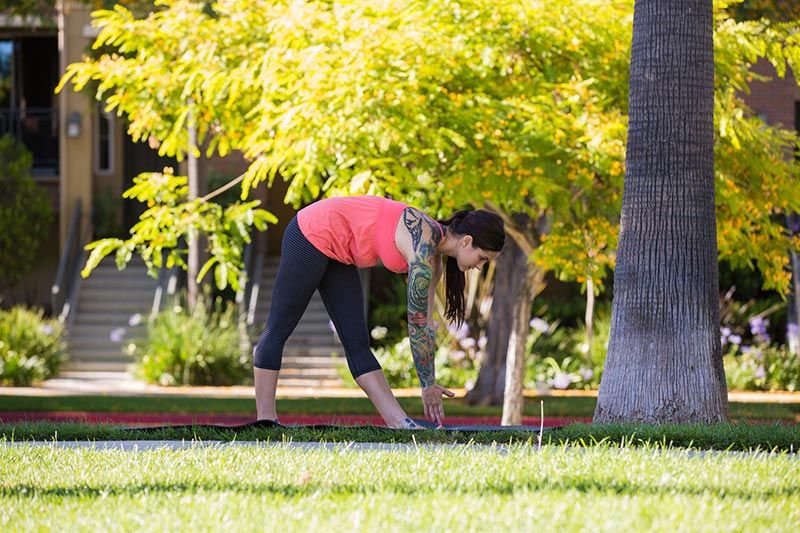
664, 359
510, 269
589, 316
792, 324
193, 261
513, 400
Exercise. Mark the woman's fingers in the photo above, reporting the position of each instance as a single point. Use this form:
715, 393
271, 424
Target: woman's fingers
448, 392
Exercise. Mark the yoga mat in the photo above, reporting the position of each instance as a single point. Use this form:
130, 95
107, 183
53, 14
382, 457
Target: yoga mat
259, 424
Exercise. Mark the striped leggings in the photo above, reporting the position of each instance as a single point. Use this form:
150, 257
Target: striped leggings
302, 270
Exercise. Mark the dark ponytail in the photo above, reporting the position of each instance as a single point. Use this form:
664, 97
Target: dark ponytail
488, 233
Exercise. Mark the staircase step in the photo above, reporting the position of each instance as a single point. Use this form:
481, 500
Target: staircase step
311, 340
117, 305
82, 330
308, 373
98, 352
310, 362
131, 294
97, 366
309, 383
114, 281
313, 351
128, 273
112, 319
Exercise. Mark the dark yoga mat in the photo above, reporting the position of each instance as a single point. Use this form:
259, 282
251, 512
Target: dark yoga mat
271, 424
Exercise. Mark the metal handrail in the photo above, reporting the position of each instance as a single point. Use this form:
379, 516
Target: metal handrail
64, 283
167, 285
250, 280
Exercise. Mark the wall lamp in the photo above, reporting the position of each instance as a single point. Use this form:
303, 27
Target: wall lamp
74, 125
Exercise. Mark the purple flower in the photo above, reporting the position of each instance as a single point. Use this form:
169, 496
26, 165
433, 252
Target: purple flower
117, 334
760, 373
482, 342
725, 332
746, 349
758, 326
458, 332
539, 325
47, 329
467, 343
794, 224
735, 339
793, 330
561, 381
758, 355
586, 373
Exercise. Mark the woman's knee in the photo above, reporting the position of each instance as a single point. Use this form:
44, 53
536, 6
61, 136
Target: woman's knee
267, 353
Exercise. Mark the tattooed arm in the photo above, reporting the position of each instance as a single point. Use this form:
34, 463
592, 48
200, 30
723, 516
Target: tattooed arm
421, 281
424, 239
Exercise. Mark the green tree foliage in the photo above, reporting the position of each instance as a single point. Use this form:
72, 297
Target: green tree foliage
25, 213
520, 106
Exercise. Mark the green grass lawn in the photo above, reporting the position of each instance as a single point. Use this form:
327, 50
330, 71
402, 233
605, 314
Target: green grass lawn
771, 437
445, 489
553, 406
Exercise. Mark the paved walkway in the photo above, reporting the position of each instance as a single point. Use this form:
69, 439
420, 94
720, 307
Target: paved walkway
123, 384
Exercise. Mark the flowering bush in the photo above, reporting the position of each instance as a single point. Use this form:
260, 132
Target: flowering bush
762, 365
31, 347
201, 347
456, 359
559, 358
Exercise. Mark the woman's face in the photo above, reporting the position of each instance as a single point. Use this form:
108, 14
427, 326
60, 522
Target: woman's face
469, 257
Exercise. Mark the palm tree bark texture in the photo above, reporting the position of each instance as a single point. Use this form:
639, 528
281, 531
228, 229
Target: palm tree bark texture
664, 361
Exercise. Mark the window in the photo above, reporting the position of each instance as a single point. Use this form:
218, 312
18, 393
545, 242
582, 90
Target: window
104, 142
28, 104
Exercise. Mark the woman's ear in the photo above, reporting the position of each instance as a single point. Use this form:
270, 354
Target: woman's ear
466, 240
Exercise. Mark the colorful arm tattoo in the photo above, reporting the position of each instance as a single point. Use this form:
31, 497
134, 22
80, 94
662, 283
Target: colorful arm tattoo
424, 239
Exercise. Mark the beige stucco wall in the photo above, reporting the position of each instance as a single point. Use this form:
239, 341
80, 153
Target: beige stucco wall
76, 165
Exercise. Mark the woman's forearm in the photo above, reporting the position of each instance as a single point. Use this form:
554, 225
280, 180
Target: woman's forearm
423, 348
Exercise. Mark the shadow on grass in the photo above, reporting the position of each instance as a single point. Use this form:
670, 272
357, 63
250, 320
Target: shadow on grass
733, 437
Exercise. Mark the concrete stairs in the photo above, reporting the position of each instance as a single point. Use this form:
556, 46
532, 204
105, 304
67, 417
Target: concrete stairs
112, 308
109, 301
313, 352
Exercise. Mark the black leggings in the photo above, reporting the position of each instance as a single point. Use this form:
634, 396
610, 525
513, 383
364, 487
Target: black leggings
301, 271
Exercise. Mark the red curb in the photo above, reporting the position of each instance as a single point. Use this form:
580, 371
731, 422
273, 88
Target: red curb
153, 419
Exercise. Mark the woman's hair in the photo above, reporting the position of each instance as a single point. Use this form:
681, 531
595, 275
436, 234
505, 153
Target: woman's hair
488, 233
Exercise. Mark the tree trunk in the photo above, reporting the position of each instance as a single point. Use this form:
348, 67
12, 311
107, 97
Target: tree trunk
664, 360
513, 399
510, 270
793, 316
193, 261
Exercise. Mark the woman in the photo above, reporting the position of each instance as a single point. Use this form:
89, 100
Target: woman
323, 247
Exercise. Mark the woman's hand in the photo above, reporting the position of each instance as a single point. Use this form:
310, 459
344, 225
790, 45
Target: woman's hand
432, 402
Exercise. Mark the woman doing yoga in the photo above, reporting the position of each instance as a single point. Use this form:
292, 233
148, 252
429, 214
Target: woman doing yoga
322, 249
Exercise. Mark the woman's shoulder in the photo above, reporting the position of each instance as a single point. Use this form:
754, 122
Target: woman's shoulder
424, 231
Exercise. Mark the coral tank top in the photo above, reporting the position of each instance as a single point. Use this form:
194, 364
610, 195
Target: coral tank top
355, 230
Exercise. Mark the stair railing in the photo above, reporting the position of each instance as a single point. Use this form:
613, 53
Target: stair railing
63, 293
167, 286
250, 280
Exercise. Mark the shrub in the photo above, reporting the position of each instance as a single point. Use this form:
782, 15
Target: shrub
25, 213
31, 346
564, 358
762, 367
201, 347
456, 359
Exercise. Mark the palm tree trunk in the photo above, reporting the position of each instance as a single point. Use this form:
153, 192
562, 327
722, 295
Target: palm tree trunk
664, 359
